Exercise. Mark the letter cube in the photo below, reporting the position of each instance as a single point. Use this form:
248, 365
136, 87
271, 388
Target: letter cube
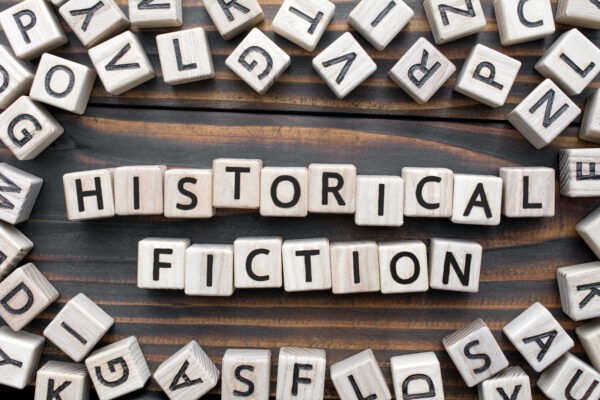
18, 193
246, 374
13, 247
139, 189
477, 199
428, 192
454, 265
209, 270
344, 65
301, 373
573, 61
89, 194
380, 21
236, 183
487, 76
185, 56
121, 63
187, 374
584, 13
579, 294
354, 267
284, 192
161, 263
421, 71
24, 294
232, 17
78, 327
27, 128
303, 22
589, 230
359, 377
62, 380
257, 262
543, 114
118, 369
93, 21
475, 352
188, 193
306, 265
570, 378
589, 337
32, 28
258, 61
403, 267
453, 19
20, 354
512, 383
15, 77
538, 336
523, 20
63, 83
590, 125
578, 172
417, 376
155, 13
527, 191
332, 188
379, 201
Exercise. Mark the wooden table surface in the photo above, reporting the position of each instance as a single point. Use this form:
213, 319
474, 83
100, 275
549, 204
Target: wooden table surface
378, 128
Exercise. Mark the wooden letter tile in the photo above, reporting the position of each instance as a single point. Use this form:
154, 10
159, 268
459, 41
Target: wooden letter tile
121, 63
579, 294
185, 56
284, 192
93, 21
188, 374
155, 13
344, 65
477, 199
523, 20
527, 191
15, 77
417, 376
32, 28
118, 369
209, 270
331, 188
379, 201
161, 263
19, 356
570, 378
300, 374
403, 267
589, 336
487, 76
543, 114
27, 128
246, 374
236, 183
62, 380
24, 294
257, 262
303, 22
359, 377
139, 190
578, 172
454, 265
354, 267
428, 192
188, 193
232, 17
18, 193
13, 247
89, 194
584, 13
306, 265
421, 71
589, 230
475, 352
512, 383
380, 21
453, 19
538, 336
63, 83
258, 61
590, 125
573, 61
78, 327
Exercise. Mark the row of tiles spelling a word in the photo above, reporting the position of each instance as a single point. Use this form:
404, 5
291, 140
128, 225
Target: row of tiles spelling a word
308, 264
320, 188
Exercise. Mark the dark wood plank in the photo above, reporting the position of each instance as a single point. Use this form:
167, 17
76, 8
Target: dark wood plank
300, 90
99, 257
